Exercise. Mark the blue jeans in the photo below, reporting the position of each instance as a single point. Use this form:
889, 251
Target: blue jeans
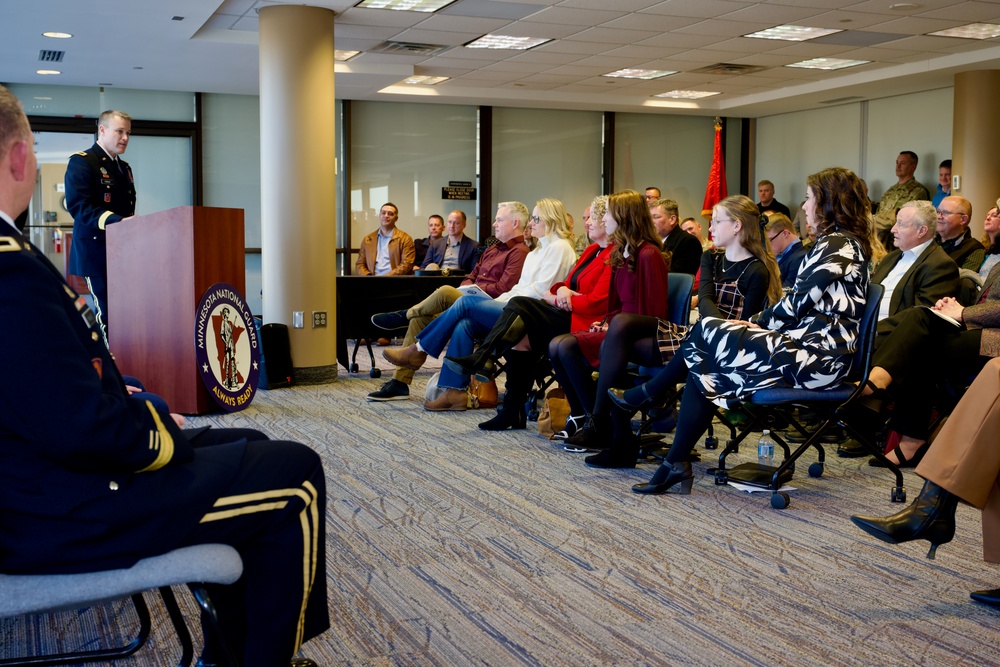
467, 319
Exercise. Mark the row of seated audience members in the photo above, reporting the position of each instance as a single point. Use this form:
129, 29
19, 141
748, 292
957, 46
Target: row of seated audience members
389, 251
752, 333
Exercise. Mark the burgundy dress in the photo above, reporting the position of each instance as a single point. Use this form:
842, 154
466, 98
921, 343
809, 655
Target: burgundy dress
643, 292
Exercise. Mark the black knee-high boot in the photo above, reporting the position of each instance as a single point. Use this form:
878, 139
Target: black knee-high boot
520, 378
506, 333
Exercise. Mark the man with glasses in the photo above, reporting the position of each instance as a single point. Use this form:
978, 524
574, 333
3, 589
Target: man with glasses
787, 246
652, 195
953, 216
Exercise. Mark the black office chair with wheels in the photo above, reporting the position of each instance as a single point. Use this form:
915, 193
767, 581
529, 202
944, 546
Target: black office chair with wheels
833, 405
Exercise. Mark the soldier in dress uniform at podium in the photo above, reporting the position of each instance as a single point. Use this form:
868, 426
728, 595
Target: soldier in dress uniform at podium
100, 190
96, 479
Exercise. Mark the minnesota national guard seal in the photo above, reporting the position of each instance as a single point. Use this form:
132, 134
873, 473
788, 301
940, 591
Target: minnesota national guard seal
227, 347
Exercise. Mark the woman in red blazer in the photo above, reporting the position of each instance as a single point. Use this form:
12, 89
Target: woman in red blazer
528, 324
639, 287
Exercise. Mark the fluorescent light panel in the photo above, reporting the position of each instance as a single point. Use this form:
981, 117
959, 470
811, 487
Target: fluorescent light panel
634, 73
406, 5
687, 94
971, 31
425, 80
507, 42
792, 33
47, 72
344, 56
57, 35
828, 63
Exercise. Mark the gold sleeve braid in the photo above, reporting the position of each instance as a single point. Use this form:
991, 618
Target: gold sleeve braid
161, 441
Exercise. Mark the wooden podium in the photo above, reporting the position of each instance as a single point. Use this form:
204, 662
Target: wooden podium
159, 266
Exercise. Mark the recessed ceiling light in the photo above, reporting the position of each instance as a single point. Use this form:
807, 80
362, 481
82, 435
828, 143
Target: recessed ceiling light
344, 56
42, 98
687, 94
828, 63
507, 42
903, 6
792, 33
406, 5
57, 35
635, 73
46, 72
971, 31
425, 80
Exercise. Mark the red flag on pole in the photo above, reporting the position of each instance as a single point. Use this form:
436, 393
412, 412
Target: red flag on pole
715, 191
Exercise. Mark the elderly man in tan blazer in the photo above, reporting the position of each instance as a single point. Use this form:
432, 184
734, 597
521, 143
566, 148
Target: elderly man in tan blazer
387, 251
963, 464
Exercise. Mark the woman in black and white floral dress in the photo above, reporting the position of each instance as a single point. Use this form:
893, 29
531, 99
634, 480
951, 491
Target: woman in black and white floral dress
805, 340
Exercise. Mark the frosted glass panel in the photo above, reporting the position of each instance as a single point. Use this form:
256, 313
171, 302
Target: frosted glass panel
405, 153
541, 153
231, 158
43, 100
162, 170
673, 153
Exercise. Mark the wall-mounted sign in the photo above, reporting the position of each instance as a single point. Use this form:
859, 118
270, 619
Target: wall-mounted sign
458, 190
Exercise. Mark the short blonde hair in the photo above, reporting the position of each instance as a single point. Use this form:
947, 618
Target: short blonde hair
553, 214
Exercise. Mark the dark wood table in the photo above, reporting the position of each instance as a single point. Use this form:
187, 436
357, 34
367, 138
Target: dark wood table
360, 297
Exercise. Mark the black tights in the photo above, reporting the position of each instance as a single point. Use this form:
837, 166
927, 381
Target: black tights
695, 413
630, 338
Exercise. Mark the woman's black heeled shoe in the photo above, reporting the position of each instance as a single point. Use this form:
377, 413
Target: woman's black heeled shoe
931, 517
573, 424
667, 476
903, 461
510, 417
632, 400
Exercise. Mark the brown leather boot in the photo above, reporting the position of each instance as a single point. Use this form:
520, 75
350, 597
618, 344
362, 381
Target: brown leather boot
451, 400
405, 357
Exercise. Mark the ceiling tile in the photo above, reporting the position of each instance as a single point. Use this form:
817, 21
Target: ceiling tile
643, 52
621, 5
705, 9
720, 28
437, 37
967, 12
912, 25
578, 17
462, 24
678, 41
611, 36
848, 20
657, 22
773, 14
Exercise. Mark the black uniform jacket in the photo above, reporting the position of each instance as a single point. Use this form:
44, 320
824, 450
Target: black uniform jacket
98, 193
90, 478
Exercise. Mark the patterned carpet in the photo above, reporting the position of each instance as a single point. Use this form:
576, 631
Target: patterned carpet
450, 546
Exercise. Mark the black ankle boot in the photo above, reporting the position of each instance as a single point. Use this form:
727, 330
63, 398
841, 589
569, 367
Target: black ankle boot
666, 476
506, 333
510, 417
930, 517
595, 434
618, 455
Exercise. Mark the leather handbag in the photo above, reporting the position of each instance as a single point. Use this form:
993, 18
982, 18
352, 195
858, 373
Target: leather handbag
482, 394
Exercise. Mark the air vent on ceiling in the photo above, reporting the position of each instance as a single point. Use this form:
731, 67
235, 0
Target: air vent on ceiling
730, 69
841, 100
409, 49
51, 56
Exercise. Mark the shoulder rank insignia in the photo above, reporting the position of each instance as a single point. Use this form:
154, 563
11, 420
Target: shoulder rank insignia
81, 153
9, 244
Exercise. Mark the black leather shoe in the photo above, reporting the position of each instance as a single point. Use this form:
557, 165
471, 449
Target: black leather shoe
852, 449
619, 457
595, 434
991, 597
930, 517
509, 417
391, 321
667, 476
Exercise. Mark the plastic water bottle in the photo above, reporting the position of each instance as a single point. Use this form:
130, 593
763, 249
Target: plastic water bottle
765, 449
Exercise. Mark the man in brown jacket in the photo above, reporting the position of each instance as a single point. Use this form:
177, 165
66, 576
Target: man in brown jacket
387, 251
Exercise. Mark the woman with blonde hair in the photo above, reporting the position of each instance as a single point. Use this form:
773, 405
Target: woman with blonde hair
472, 316
805, 340
639, 285
524, 330
739, 278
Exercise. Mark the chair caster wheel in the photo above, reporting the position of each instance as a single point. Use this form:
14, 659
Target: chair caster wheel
899, 495
353, 368
721, 477
375, 372
816, 470
711, 442
780, 500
